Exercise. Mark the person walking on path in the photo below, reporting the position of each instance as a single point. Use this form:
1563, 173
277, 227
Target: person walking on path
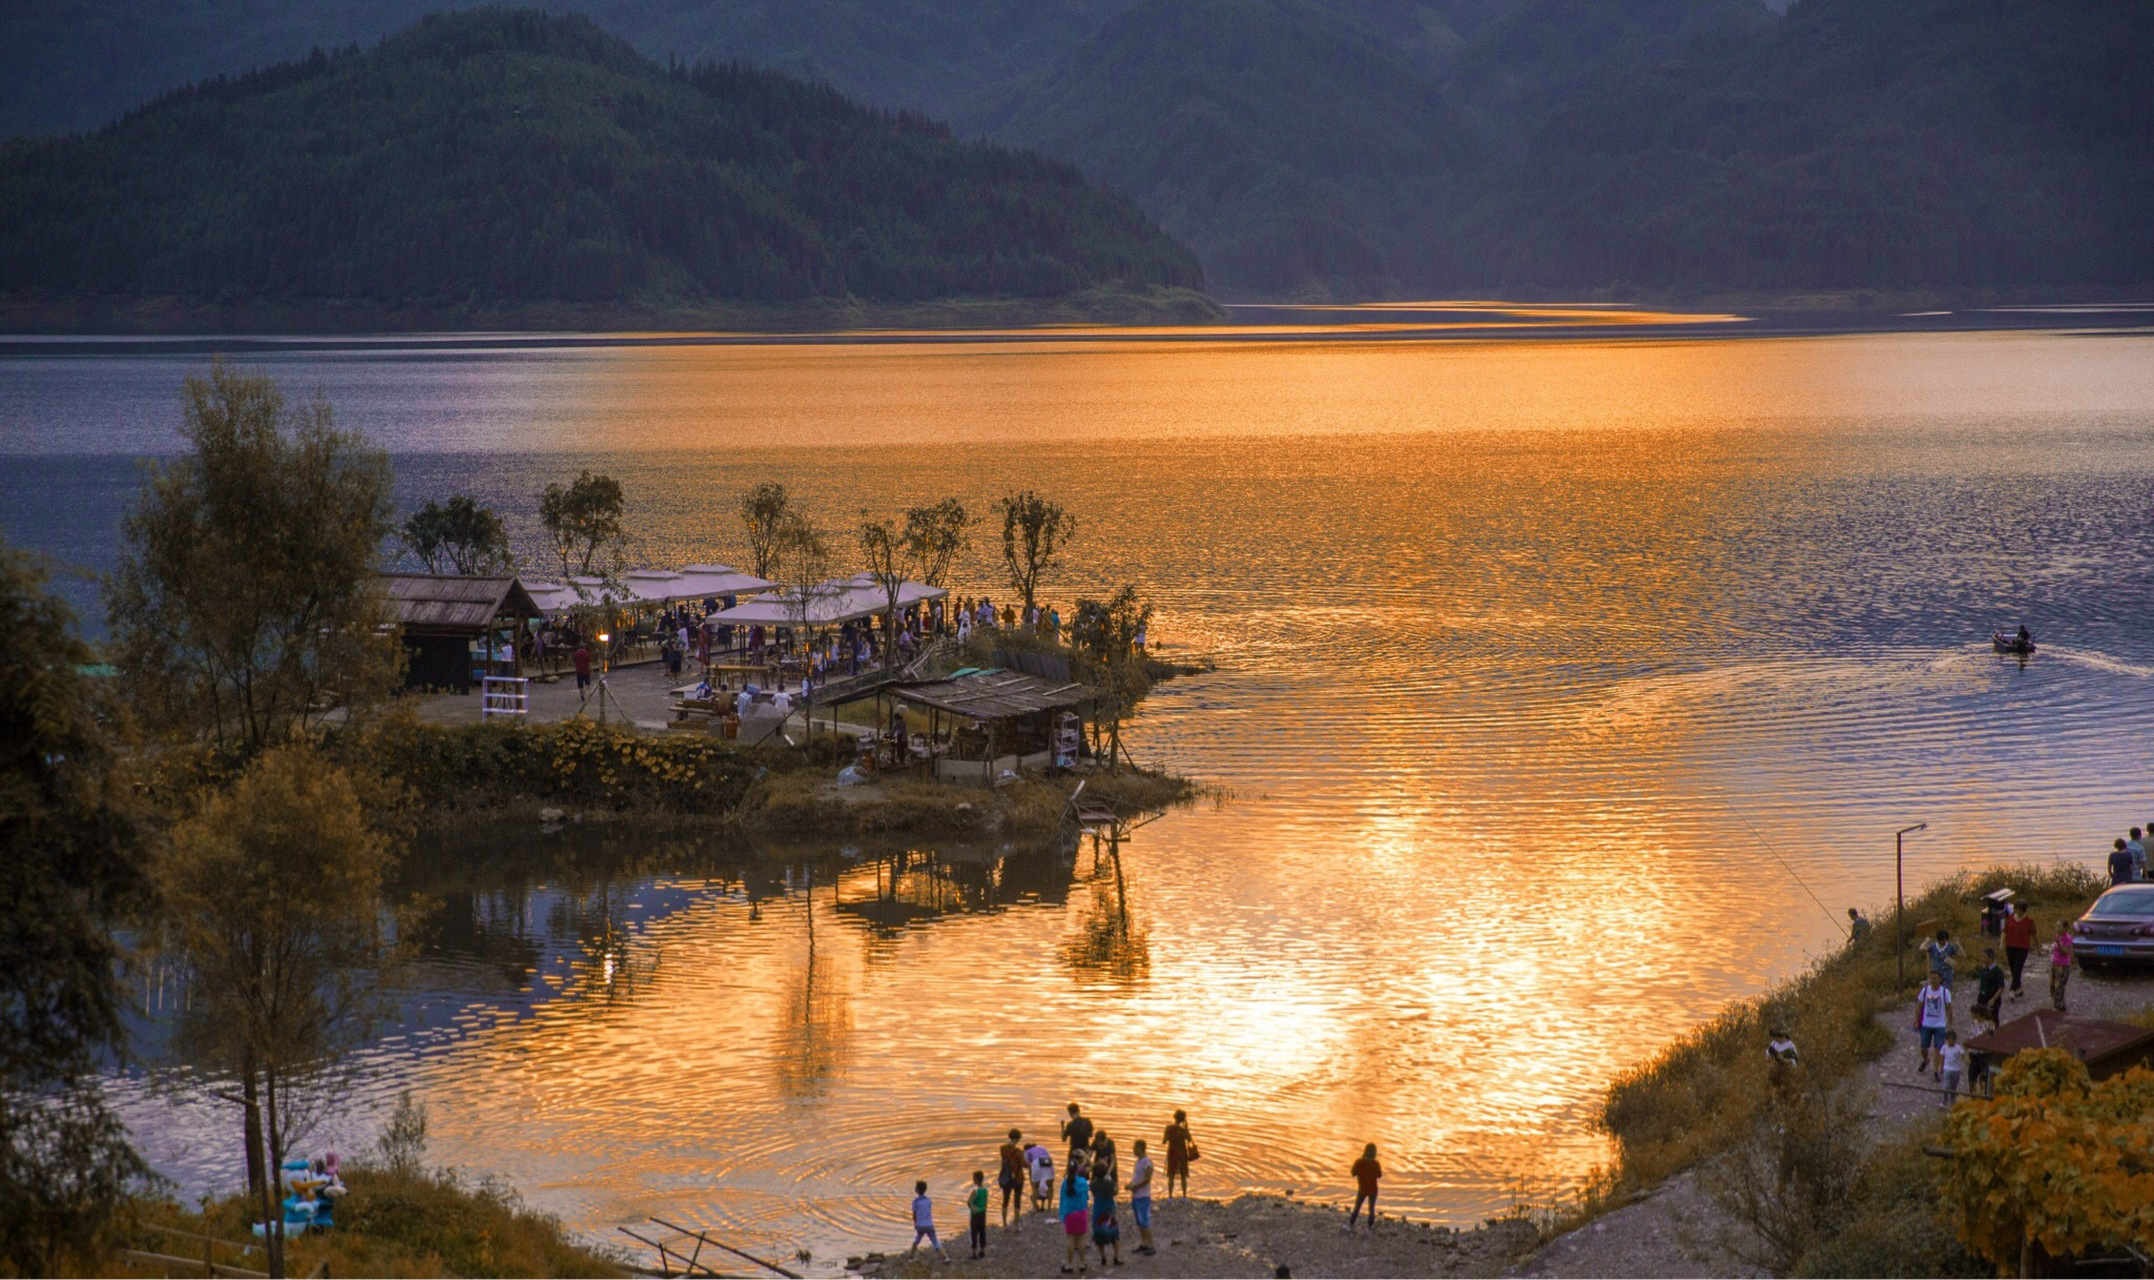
1140, 1197
1954, 1072
1933, 1017
976, 1201
923, 1221
1942, 951
2060, 963
1076, 1221
2018, 941
582, 659
1077, 1131
1366, 1173
1012, 1178
1181, 1151
1989, 989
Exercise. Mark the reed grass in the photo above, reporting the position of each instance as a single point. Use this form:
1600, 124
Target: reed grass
1700, 1096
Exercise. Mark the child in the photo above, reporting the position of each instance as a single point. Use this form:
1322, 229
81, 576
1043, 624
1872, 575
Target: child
2060, 963
923, 1221
976, 1201
1075, 1206
1780, 1050
1955, 1067
1366, 1172
1140, 1197
1042, 1163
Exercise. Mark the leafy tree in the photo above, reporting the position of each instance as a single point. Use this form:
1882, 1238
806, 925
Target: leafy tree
1104, 633
272, 895
581, 518
1035, 531
2054, 1161
935, 537
245, 605
883, 547
765, 510
462, 534
69, 865
803, 565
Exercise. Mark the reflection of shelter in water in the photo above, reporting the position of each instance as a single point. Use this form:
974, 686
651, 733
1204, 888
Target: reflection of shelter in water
910, 888
1108, 943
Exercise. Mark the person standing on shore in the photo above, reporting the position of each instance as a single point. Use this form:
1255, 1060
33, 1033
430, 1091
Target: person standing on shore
1181, 1150
1076, 1222
2018, 941
1041, 1162
2120, 864
2060, 963
1077, 1133
1366, 1173
1858, 926
923, 1221
2137, 848
976, 1201
1933, 1017
1140, 1197
1105, 1230
1012, 1178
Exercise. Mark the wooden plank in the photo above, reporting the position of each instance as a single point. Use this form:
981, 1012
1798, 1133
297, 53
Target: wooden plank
768, 1266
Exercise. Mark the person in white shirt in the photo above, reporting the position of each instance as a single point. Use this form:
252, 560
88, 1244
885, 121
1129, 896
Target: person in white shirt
1042, 1164
1954, 1072
1140, 1197
1933, 1020
923, 1222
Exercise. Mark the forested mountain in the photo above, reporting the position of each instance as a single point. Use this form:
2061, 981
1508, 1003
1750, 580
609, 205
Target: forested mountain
1370, 147
509, 156
77, 64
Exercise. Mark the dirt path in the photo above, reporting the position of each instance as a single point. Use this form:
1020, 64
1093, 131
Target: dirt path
1675, 1229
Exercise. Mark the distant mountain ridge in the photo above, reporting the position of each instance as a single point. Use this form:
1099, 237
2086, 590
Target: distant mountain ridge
1358, 148
499, 157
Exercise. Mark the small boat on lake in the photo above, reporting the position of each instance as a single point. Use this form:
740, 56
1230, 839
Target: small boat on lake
2021, 645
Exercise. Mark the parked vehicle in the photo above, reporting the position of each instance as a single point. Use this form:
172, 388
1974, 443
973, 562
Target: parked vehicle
2119, 926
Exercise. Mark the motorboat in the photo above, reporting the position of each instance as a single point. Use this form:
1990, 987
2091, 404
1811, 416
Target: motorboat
2011, 644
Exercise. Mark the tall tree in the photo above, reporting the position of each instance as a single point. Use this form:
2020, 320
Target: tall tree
1104, 633
69, 864
935, 537
272, 895
581, 518
245, 604
883, 547
461, 535
765, 509
1035, 530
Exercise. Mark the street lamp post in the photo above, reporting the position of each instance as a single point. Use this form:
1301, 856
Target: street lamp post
1899, 894
605, 651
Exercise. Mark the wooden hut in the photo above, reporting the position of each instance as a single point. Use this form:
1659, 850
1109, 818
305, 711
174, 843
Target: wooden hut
1000, 721
454, 626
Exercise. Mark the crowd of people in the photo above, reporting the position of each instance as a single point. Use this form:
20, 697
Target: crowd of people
2128, 857
1086, 1194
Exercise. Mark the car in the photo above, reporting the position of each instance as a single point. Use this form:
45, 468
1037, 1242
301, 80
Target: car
2119, 926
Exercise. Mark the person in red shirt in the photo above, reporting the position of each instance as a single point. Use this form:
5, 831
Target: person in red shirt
1366, 1171
582, 659
2018, 941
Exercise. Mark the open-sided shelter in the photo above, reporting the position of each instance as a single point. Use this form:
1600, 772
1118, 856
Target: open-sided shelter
452, 624
1001, 721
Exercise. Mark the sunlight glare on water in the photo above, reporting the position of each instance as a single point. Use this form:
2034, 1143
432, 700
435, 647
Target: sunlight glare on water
1517, 644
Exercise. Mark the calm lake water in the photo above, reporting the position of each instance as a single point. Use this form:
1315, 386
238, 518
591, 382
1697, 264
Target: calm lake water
1554, 679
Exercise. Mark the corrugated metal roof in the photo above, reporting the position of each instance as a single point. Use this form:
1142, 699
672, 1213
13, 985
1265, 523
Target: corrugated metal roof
2106, 1047
993, 695
442, 602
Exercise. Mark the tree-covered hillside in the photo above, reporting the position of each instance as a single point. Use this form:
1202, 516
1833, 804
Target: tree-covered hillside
502, 155
1383, 146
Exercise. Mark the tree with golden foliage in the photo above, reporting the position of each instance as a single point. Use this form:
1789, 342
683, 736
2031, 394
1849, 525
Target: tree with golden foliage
273, 897
2055, 1162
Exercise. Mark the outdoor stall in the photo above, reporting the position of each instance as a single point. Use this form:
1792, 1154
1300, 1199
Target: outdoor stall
997, 722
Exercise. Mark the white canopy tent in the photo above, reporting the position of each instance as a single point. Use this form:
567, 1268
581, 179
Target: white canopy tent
829, 604
648, 586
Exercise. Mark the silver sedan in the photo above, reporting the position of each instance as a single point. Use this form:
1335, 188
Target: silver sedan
2119, 926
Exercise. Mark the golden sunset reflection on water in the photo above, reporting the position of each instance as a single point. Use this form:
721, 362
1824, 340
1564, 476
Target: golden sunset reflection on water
1552, 678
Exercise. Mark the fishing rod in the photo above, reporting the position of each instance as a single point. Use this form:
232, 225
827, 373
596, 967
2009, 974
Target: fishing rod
1722, 796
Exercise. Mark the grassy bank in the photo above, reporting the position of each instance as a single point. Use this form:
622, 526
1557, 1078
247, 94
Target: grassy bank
391, 1224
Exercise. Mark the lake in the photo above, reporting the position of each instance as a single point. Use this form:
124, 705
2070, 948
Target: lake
1565, 690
